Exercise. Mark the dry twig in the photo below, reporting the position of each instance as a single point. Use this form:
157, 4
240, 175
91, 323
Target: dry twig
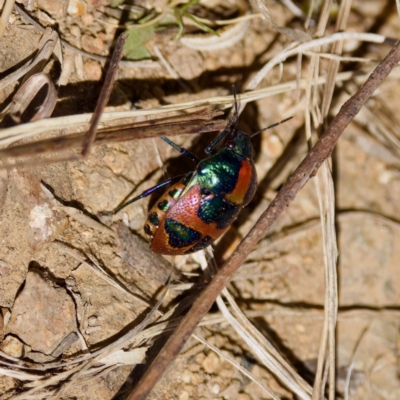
104, 94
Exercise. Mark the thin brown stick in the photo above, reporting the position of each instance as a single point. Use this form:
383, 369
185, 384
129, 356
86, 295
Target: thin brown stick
104, 94
307, 169
196, 123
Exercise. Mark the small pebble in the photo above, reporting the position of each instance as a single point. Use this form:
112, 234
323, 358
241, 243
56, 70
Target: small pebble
76, 7
55, 8
87, 19
12, 346
93, 70
92, 44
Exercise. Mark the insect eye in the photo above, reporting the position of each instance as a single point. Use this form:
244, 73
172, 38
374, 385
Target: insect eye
230, 144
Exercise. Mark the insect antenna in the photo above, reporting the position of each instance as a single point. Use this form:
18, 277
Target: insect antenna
148, 192
230, 127
271, 126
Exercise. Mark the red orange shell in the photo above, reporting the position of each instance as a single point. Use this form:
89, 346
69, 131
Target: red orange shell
245, 186
184, 211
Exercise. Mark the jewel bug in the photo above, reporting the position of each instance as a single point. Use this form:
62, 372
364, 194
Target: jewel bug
201, 206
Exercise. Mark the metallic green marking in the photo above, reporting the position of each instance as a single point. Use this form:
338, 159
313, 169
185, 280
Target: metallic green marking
180, 235
153, 218
219, 173
218, 210
163, 205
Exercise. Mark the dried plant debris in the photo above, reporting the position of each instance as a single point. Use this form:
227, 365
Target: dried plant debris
83, 301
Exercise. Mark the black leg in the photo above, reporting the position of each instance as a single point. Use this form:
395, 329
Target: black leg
148, 192
230, 127
181, 150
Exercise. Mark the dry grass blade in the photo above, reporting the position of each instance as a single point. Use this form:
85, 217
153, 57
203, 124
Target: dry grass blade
382, 130
337, 48
303, 173
131, 357
326, 199
245, 329
197, 123
351, 366
227, 37
324, 187
315, 43
230, 21
260, 346
5, 15
269, 357
23, 376
398, 7
294, 34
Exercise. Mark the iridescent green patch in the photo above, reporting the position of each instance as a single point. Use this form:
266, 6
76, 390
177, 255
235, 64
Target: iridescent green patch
163, 205
217, 210
153, 218
220, 172
180, 235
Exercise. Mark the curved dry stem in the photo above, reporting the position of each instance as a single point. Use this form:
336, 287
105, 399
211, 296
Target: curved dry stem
302, 47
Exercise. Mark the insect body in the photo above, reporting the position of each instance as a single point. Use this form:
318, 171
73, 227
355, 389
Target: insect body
201, 207
198, 209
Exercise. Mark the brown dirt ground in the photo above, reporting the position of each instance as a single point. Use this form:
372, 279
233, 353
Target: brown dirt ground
284, 276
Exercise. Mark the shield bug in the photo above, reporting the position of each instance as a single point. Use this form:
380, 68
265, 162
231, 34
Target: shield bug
201, 206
